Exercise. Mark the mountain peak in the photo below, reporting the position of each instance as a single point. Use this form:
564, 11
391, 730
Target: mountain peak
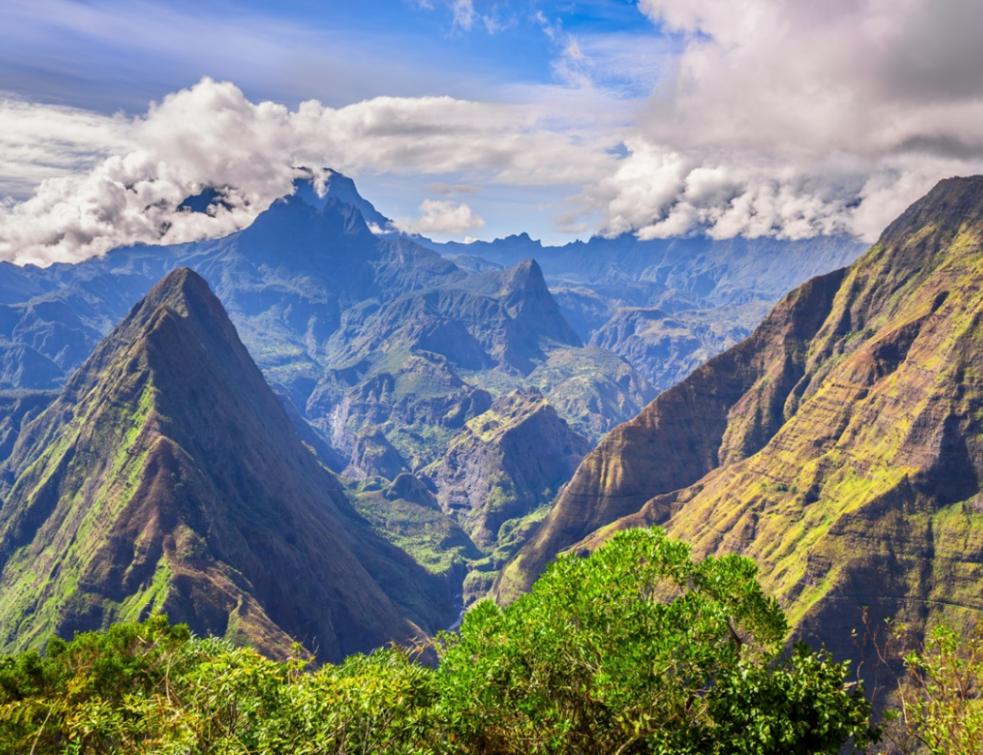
209, 507
178, 287
527, 275
185, 293
951, 204
318, 188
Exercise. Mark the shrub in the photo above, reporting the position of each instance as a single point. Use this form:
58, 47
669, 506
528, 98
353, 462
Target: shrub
636, 648
939, 704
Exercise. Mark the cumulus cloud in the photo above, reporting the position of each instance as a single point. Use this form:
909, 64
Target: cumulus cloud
797, 118
760, 118
442, 218
212, 135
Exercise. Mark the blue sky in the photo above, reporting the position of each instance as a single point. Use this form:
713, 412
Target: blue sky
480, 118
110, 55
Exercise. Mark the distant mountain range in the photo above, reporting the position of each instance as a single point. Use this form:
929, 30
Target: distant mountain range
840, 446
665, 305
454, 389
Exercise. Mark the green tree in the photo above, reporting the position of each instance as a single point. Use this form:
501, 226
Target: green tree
636, 648
639, 648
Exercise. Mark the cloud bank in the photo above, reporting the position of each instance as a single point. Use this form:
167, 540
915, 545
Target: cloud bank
442, 218
212, 135
756, 118
799, 118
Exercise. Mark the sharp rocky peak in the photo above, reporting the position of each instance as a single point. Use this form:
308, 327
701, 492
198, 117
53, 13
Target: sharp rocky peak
525, 276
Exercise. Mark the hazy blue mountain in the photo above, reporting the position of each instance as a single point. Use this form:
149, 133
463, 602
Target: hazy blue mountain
665, 305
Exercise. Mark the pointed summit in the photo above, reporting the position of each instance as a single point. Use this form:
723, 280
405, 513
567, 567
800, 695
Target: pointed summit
338, 188
532, 307
167, 477
186, 293
526, 276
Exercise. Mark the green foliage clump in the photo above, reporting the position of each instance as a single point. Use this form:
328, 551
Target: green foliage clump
939, 705
151, 687
634, 649
638, 649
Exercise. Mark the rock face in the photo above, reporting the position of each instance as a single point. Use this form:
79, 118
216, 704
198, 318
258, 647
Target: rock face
167, 476
505, 463
840, 446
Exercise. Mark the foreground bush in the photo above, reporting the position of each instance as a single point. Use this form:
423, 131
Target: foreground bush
638, 648
939, 703
633, 649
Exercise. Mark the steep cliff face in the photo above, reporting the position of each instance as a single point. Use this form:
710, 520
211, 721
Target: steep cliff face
167, 476
841, 445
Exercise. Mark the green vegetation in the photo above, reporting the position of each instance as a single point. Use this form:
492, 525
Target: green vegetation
424, 532
939, 707
634, 649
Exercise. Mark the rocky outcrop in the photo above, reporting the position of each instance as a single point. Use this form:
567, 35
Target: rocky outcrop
505, 463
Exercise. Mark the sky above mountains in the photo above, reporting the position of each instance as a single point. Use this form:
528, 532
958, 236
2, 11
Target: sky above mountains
479, 118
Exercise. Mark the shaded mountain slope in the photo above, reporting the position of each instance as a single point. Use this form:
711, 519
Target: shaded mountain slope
840, 446
166, 476
18, 408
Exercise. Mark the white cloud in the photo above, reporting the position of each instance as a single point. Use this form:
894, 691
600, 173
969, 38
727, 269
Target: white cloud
442, 218
212, 135
806, 117
784, 119
38, 142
